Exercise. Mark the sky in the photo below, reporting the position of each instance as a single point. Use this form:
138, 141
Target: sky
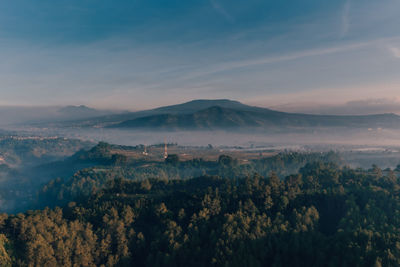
136, 54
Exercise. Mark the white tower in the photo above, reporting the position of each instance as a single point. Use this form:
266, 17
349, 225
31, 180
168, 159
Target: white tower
145, 151
165, 149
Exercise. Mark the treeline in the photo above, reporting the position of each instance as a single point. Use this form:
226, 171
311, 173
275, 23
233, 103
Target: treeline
24, 169
110, 166
32, 151
324, 215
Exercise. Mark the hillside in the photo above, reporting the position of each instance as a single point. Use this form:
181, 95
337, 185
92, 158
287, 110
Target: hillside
323, 214
218, 117
227, 114
213, 117
12, 115
80, 112
179, 109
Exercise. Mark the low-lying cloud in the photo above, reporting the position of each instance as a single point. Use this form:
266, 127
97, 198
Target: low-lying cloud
357, 107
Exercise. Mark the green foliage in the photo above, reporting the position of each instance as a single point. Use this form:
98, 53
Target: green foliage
18, 150
118, 159
226, 160
100, 153
323, 216
172, 159
5, 250
113, 166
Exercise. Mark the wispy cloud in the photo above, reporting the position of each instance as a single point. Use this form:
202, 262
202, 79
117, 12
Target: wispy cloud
235, 65
357, 107
345, 19
395, 51
221, 10
331, 96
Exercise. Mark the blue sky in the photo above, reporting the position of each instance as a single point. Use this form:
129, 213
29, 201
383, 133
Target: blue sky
139, 54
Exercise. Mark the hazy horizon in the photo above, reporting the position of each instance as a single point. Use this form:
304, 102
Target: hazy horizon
143, 54
356, 107
199, 133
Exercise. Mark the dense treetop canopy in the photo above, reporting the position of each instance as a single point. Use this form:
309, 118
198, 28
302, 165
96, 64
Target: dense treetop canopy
324, 215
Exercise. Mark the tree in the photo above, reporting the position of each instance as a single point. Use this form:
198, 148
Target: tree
119, 159
226, 160
172, 159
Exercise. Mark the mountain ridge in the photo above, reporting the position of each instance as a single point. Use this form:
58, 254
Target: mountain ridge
243, 116
228, 114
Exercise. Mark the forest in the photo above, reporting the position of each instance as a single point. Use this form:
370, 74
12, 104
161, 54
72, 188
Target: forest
215, 133
325, 214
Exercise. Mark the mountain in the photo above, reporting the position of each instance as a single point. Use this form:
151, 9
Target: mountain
200, 104
48, 114
221, 114
80, 111
213, 117
179, 109
227, 114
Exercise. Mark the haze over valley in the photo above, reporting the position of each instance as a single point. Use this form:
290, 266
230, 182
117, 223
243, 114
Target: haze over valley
203, 122
199, 133
36, 151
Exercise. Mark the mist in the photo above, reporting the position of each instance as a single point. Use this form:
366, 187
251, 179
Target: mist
312, 136
355, 107
28, 115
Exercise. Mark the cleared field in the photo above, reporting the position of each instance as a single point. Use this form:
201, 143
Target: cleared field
156, 153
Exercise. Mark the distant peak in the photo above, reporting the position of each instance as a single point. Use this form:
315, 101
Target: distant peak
76, 107
214, 100
72, 108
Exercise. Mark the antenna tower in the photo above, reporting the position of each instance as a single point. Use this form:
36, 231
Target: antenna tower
145, 151
165, 149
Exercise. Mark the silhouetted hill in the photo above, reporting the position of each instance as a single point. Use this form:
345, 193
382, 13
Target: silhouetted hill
227, 114
200, 104
80, 111
83, 112
213, 117
179, 109
48, 114
252, 117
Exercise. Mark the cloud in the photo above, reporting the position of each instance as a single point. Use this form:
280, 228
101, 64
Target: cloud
355, 107
241, 64
221, 10
345, 19
395, 51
